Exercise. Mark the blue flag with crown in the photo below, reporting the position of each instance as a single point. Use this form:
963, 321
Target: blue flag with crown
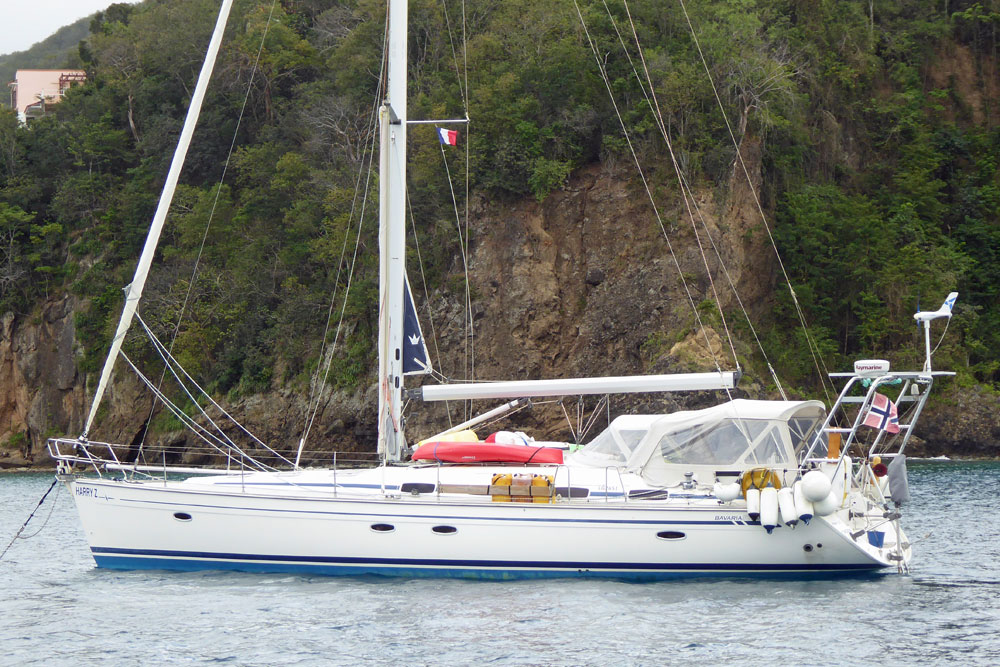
416, 361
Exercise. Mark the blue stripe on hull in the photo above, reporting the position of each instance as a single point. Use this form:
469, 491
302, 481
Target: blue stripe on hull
138, 559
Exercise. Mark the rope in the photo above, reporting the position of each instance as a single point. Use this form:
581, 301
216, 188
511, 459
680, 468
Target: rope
569, 422
593, 416
941, 339
52, 508
28, 520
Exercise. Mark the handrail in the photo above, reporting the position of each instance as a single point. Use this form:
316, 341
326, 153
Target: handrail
102, 457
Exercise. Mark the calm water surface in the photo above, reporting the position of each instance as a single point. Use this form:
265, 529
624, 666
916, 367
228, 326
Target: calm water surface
56, 608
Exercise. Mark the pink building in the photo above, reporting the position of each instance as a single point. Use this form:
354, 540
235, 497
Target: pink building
32, 89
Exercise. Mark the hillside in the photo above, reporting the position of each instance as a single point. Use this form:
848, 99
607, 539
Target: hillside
869, 138
57, 51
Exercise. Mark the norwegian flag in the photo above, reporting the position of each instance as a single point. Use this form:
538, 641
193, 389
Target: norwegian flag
882, 414
447, 137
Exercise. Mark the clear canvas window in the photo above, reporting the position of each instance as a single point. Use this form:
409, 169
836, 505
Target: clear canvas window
723, 442
615, 444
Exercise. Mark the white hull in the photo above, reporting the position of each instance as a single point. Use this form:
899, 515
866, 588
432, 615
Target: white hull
157, 525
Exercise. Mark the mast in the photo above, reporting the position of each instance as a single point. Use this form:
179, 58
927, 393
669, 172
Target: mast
392, 238
134, 290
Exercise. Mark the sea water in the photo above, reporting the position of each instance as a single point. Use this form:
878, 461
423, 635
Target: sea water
56, 608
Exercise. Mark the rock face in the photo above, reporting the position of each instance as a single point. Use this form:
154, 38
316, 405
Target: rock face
585, 283
966, 425
41, 392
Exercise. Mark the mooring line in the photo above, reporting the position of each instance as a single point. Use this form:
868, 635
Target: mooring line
28, 520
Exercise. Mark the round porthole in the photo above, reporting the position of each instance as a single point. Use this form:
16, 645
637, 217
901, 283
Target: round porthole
182, 516
383, 527
444, 530
670, 535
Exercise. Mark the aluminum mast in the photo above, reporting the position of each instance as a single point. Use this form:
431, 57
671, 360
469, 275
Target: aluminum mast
392, 239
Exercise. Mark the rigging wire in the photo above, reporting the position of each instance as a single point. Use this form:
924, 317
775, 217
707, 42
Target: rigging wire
372, 135
649, 194
653, 103
211, 216
687, 197
326, 353
171, 364
690, 201
813, 349
223, 447
454, 55
427, 304
463, 76
464, 244
468, 166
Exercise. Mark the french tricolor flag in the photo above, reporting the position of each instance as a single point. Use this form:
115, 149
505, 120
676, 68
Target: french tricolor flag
447, 137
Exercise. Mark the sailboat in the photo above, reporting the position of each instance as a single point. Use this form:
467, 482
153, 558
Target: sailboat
746, 487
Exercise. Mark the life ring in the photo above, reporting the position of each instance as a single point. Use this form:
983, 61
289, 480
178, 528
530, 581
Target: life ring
759, 478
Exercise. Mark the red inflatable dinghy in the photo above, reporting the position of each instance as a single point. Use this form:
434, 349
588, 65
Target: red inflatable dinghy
486, 452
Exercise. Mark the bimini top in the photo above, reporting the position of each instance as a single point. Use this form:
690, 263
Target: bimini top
740, 433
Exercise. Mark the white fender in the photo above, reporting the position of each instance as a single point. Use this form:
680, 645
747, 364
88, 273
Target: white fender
883, 483
803, 507
786, 507
726, 492
753, 503
769, 508
828, 505
815, 486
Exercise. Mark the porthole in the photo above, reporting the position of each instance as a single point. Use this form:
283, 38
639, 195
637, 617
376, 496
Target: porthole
182, 516
444, 530
670, 535
383, 527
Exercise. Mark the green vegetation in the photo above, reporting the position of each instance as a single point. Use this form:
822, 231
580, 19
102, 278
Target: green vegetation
880, 162
16, 441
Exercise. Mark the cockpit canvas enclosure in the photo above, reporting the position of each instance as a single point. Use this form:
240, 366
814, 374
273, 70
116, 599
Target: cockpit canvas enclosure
734, 436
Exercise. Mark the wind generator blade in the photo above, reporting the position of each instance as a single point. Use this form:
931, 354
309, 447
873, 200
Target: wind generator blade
134, 291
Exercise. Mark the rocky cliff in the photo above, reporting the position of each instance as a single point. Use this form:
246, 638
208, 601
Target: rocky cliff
583, 283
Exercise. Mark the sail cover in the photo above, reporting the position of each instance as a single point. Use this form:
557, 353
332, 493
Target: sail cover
416, 361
